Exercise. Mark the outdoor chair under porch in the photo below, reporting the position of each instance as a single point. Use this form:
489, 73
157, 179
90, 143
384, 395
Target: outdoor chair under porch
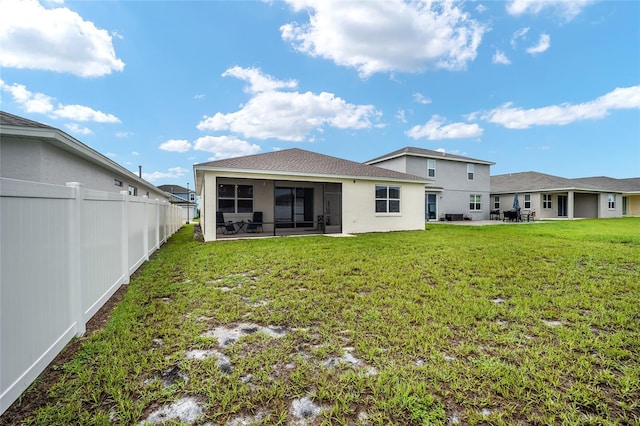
224, 226
255, 224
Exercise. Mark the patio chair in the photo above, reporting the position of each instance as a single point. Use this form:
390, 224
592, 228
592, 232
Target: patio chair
224, 226
255, 224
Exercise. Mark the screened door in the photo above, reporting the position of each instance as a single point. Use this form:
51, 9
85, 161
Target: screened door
294, 207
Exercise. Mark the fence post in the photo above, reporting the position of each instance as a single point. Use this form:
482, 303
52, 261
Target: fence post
75, 259
124, 238
145, 234
157, 203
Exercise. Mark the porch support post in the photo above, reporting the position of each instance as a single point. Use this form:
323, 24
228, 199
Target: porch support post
570, 202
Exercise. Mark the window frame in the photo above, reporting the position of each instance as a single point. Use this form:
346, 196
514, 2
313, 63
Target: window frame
475, 202
527, 201
547, 201
611, 201
388, 200
237, 200
496, 202
431, 167
133, 191
470, 171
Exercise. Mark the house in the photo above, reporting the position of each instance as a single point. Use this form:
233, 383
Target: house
36, 152
183, 197
553, 197
300, 192
459, 187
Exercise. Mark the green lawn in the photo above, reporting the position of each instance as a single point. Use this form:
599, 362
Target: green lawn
519, 324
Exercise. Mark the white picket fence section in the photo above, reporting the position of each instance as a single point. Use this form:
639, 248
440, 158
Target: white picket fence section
64, 251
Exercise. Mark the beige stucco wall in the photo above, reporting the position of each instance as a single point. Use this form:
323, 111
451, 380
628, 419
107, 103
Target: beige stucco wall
358, 212
633, 205
358, 201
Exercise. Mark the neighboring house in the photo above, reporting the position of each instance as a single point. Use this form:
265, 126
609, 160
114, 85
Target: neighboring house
299, 191
183, 197
553, 197
458, 186
35, 152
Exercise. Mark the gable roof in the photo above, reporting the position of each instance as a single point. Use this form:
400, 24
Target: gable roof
537, 182
427, 153
300, 162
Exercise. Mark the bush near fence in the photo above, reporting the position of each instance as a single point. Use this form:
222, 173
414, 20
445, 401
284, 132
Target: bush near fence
64, 251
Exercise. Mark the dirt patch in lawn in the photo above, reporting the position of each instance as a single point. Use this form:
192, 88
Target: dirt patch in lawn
36, 395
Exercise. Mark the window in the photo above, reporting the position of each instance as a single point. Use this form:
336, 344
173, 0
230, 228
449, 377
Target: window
546, 201
612, 201
387, 199
496, 202
117, 182
431, 168
235, 198
192, 196
133, 191
475, 203
469, 171
527, 201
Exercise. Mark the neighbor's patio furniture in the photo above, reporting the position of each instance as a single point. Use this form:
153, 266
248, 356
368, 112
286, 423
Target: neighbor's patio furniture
454, 217
255, 224
512, 215
494, 214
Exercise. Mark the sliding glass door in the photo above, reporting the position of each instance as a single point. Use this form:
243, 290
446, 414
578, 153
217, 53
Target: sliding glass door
293, 207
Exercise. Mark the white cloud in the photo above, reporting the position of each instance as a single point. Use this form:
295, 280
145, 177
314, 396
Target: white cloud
543, 44
500, 58
518, 34
421, 99
481, 8
568, 9
74, 128
435, 129
386, 36
83, 113
400, 116
175, 145
29, 101
199, 96
289, 116
225, 146
517, 118
123, 134
136, 153
258, 82
56, 39
43, 104
171, 173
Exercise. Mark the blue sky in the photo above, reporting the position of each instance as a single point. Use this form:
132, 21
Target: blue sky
548, 86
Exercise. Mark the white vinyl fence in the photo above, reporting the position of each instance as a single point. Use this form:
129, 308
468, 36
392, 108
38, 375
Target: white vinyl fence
64, 251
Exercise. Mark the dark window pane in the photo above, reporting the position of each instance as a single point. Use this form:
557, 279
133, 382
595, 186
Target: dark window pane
245, 191
226, 206
381, 192
226, 191
245, 206
394, 192
394, 206
381, 206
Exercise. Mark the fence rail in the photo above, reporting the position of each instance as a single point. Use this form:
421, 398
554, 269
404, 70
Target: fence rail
64, 251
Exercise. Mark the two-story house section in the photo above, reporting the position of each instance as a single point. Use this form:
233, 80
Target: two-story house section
460, 187
185, 198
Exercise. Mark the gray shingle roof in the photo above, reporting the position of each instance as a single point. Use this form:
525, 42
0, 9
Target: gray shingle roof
7, 119
535, 181
427, 153
300, 161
